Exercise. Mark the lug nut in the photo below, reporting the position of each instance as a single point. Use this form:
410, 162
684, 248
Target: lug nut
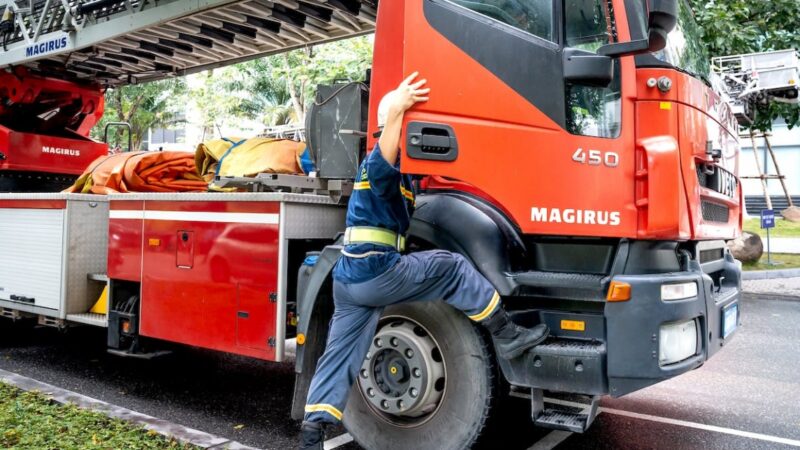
384, 404
371, 392
393, 342
416, 372
409, 353
364, 373
413, 392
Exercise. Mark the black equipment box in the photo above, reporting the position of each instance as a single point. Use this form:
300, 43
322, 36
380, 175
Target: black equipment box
336, 129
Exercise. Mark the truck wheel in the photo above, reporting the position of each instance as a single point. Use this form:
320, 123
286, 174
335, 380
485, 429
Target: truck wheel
427, 382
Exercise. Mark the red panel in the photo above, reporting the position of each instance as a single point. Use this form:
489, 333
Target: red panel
510, 150
34, 204
41, 153
212, 206
234, 266
253, 312
130, 205
125, 242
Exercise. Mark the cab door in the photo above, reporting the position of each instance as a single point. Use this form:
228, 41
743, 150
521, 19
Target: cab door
502, 118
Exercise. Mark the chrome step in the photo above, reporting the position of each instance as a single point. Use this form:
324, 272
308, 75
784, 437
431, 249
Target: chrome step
98, 320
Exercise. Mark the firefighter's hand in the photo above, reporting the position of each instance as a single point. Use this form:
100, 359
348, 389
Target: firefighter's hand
409, 93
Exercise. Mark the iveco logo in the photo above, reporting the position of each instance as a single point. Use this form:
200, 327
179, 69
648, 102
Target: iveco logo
726, 183
61, 151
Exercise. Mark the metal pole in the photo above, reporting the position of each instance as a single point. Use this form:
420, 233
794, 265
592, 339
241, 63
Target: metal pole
769, 256
778, 171
760, 173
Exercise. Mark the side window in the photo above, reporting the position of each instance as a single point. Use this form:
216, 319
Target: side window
532, 16
591, 111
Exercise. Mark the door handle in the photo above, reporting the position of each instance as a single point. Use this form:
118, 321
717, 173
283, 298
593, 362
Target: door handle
432, 141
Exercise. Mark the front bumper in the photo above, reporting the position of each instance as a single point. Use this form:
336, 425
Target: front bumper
618, 352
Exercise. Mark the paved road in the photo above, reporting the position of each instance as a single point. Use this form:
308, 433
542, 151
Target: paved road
746, 397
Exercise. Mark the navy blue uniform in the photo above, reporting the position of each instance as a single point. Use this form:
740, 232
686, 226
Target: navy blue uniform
369, 277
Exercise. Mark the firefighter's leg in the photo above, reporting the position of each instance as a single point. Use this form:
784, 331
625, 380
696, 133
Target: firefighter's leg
439, 274
351, 330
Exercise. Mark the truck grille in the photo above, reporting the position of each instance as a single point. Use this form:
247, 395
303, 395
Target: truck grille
714, 212
717, 179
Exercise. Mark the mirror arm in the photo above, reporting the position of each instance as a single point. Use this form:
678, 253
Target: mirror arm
624, 48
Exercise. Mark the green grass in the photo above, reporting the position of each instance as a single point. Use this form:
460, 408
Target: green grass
783, 228
29, 420
786, 260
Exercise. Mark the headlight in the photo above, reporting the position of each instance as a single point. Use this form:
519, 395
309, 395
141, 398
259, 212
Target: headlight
678, 291
677, 342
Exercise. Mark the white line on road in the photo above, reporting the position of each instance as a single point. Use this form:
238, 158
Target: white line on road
338, 441
551, 440
683, 423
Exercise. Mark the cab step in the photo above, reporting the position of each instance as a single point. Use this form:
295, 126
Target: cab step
558, 416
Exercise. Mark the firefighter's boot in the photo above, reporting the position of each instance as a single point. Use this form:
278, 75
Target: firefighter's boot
312, 436
510, 339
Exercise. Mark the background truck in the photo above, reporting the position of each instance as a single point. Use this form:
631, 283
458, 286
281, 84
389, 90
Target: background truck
571, 149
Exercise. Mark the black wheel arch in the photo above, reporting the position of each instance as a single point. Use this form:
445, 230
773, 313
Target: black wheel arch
471, 226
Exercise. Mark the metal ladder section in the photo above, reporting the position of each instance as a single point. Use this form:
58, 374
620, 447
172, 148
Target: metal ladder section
117, 42
754, 80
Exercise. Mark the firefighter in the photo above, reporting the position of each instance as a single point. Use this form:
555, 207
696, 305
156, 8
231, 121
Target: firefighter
373, 274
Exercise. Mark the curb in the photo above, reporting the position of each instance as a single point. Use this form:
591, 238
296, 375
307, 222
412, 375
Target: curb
770, 274
181, 433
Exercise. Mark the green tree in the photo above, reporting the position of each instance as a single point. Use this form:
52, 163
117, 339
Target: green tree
275, 90
143, 106
733, 27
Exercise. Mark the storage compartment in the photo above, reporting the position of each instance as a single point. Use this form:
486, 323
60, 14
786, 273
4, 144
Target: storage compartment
49, 244
336, 128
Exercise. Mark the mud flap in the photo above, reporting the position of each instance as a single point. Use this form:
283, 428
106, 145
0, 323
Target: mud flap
314, 311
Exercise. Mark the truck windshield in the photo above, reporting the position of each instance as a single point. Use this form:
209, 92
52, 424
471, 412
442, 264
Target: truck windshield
685, 49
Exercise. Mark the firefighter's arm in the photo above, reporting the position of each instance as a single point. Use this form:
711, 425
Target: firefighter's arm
404, 97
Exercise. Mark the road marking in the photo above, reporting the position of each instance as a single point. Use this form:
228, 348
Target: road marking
338, 441
676, 422
551, 440
700, 426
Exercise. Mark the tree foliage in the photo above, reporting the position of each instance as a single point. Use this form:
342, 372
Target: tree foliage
733, 27
275, 90
143, 106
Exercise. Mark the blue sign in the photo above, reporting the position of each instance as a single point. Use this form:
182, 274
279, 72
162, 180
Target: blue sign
767, 218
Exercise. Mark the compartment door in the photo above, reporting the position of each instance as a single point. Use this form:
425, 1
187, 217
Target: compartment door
255, 317
31, 261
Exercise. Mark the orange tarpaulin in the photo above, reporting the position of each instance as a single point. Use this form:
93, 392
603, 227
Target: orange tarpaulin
141, 172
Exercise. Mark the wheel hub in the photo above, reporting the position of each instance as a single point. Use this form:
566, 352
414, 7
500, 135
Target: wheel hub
403, 373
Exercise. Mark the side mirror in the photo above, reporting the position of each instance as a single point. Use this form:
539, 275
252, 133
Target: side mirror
661, 19
587, 68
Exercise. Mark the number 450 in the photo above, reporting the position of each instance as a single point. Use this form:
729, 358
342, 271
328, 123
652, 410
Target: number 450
596, 157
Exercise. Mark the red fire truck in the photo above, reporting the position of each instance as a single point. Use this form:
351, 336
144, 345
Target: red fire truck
571, 149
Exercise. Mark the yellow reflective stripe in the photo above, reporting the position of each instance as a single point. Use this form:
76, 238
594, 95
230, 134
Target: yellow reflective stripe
407, 194
489, 308
361, 185
370, 234
321, 407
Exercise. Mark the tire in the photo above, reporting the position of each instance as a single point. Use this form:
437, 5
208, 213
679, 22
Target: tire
466, 399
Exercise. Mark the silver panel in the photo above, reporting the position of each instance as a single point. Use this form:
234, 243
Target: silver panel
87, 232
31, 248
227, 197
305, 221
98, 320
283, 261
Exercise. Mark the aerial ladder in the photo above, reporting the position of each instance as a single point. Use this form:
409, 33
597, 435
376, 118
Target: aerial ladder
751, 82
57, 58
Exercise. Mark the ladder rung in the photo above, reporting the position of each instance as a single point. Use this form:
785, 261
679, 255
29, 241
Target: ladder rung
763, 177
